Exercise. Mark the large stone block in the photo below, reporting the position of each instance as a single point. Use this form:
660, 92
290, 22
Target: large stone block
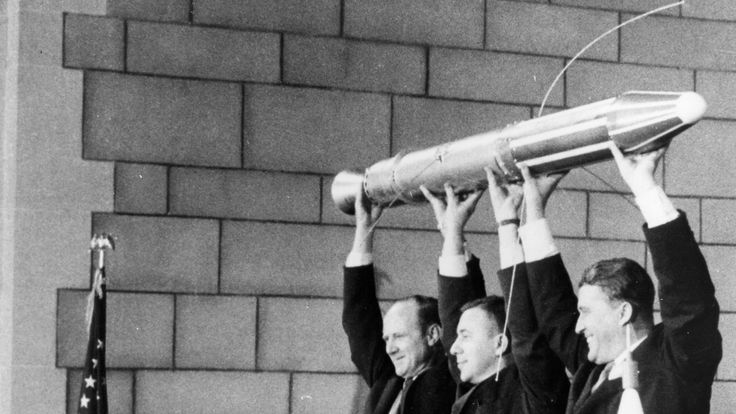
623, 5
616, 216
710, 9
299, 129
727, 327
722, 400
719, 221
698, 162
161, 253
34, 388
699, 43
211, 392
578, 254
541, 28
354, 65
406, 262
328, 393
94, 42
201, 52
603, 176
283, 259
302, 335
314, 17
140, 330
215, 332
161, 10
419, 123
717, 88
568, 212
147, 119
443, 23
589, 82
721, 263
244, 194
140, 188
493, 76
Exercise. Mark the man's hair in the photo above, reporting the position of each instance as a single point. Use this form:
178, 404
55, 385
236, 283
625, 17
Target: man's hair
495, 310
623, 279
427, 310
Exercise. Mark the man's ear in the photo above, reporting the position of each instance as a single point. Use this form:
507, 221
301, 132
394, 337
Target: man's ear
627, 313
433, 334
502, 343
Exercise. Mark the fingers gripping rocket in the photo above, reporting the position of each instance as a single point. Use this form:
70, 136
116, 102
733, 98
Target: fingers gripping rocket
636, 122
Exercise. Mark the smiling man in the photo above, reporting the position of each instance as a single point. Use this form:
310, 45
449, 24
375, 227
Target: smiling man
493, 375
399, 355
613, 313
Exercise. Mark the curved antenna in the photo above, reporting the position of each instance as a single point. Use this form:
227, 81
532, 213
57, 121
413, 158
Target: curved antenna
633, 19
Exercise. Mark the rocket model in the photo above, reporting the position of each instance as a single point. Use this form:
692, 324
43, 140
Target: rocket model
636, 122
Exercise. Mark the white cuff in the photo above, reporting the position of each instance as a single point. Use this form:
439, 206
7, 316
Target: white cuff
510, 251
537, 240
656, 207
358, 259
453, 266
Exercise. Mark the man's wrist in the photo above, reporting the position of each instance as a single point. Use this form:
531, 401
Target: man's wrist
514, 221
358, 258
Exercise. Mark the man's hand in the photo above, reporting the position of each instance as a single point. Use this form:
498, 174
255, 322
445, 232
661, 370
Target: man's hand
638, 170
505, 198
452, 214
537, 192
366, 217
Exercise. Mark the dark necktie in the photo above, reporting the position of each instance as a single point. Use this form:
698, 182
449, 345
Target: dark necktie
603, 376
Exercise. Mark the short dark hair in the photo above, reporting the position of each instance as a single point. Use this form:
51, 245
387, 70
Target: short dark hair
623, 279
427, 310
495, 308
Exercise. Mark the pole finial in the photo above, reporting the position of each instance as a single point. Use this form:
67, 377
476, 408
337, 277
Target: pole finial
102, 241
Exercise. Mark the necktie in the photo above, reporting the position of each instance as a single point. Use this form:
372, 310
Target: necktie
398, 405
603, 376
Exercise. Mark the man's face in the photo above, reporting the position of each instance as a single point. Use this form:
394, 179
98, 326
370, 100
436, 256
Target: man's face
406, 344
475, 346
600, 323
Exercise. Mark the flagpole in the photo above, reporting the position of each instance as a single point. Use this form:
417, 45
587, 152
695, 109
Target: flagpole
93, 390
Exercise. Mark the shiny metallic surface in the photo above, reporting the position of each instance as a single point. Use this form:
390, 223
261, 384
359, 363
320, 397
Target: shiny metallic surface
636, 122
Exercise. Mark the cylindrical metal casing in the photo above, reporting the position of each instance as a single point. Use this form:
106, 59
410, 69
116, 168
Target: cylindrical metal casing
636, 122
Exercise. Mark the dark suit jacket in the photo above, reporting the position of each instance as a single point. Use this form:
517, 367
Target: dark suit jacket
536, 382
678, 359
432, 392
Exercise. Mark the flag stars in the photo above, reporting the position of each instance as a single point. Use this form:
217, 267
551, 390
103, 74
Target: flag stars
99, 344
94, 362
89, 382
84, 401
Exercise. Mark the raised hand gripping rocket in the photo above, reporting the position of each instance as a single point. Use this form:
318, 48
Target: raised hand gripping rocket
636, 122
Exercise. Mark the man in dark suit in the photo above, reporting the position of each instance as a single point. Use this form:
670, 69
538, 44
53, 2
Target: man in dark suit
490, 379
400, 356
612, 320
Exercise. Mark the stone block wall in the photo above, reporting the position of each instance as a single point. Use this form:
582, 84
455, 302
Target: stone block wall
225, 121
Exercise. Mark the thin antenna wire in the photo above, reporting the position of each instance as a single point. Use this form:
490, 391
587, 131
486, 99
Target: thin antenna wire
511, 293
610, 186
633, 19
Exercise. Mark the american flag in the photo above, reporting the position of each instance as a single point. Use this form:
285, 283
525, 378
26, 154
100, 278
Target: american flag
93, 394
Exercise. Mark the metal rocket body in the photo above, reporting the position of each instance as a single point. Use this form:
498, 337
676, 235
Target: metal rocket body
636, 122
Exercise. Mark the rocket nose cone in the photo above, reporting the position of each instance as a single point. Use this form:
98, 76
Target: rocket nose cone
690, 107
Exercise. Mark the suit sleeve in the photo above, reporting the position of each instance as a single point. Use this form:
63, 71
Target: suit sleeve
555, 307
363, 324
454, 292
542, 374
687, 298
